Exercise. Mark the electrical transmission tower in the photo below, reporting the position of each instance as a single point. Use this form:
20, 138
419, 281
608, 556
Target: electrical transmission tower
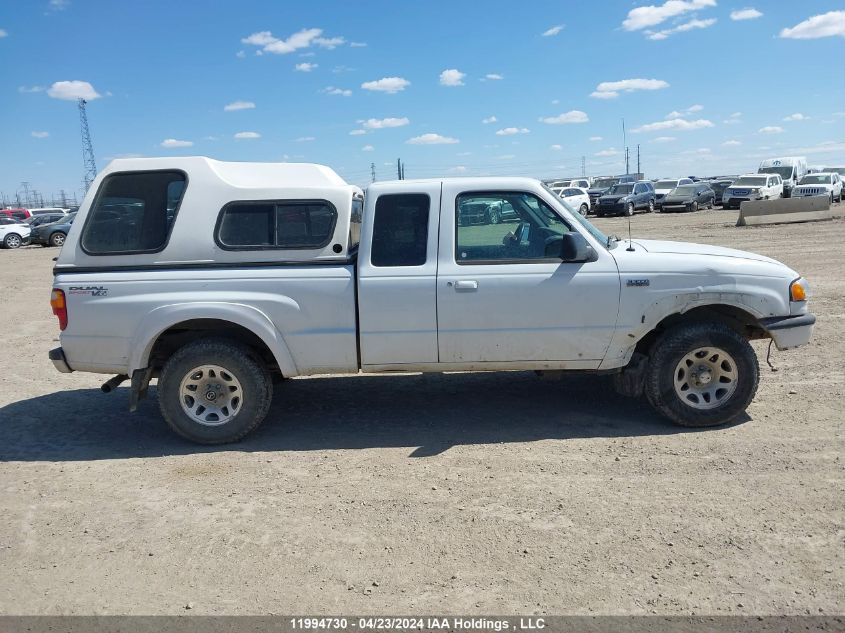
88, 162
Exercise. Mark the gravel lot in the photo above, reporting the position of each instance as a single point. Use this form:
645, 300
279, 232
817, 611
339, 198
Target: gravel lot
469, 493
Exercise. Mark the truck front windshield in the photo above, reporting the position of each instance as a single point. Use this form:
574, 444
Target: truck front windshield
580, 219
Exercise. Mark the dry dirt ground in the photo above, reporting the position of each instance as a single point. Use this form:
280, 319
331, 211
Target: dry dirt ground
470, 493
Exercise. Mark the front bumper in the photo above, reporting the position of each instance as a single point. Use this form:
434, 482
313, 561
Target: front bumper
789, 332
57, 355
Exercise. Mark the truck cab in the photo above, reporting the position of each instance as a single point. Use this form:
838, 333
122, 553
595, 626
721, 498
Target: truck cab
220, 280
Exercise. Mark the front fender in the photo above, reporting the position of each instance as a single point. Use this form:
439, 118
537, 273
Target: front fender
251, 318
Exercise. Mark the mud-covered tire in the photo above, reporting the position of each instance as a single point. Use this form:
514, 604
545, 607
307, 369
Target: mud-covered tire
673, 346
252, 378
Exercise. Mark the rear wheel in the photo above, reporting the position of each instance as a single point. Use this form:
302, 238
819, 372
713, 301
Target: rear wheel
701, 374
651, 206
213, 391
493, 216
57, 238
584, 210
12, 240
629, 210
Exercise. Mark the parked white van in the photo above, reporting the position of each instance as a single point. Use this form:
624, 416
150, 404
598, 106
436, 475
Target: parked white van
791, 170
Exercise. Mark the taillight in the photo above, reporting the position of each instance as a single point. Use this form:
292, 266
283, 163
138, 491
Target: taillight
57, 302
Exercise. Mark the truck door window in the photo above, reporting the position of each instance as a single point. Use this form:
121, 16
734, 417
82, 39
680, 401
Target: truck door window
133, 213
400, 230
498, 227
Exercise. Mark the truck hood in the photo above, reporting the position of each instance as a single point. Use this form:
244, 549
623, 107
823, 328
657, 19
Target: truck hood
688, 248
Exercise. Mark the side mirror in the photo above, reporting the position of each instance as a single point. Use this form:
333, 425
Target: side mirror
575, 248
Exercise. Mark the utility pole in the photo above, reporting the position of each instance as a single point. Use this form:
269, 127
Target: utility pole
398, 169
64, 198
88, 162
26, 194
373, 170
627, 162
625, 145
583, 166
638, 159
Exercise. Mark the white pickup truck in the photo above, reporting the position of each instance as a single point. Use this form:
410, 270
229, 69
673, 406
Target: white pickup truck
219, 279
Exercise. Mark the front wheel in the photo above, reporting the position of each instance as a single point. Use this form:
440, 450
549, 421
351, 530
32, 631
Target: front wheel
13, 240
213, 391
701, 374
694, 207
651, 206
584, 210
629, 210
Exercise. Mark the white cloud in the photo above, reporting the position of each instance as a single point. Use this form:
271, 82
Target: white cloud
695, 108
734, 119
73, 90
681, 28
390, 85
459, 169
28, 89
452, 77
432, 139
240, 54
172, 143
796, 117
358, 44
506, 156
611, 151
301, 39
305, 67
58, 5
510, 131
379, 124
357, 132
677, 115
731, 143
3, 33
553, 30
611, 89
645, 17
305, 139
770, 129
489, 119
368, 148
247, 135
556, 147
493, 76
825, 25
343, 92
573, 116
663, 139
595, 139
745, 14
210, 138
40, 134
680, 125
238, 105
329, 43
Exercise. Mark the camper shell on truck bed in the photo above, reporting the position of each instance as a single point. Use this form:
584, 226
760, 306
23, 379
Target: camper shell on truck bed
216, 278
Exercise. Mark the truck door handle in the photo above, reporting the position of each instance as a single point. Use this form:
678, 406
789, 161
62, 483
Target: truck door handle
466, 284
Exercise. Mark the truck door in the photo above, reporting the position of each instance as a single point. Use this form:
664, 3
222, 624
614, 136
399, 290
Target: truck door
503, 300
397, 275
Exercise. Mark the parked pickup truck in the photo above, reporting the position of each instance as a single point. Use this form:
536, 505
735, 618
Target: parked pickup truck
220, 279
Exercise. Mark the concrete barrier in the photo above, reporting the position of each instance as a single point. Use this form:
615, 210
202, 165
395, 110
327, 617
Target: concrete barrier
784, 211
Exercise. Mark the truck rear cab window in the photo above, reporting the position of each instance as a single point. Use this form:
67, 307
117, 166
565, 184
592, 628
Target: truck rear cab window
276, 224
133, 213
400, 230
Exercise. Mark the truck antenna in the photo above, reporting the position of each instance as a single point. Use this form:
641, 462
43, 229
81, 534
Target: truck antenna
630, 239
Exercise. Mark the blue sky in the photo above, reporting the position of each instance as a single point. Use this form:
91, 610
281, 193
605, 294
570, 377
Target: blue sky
701, 91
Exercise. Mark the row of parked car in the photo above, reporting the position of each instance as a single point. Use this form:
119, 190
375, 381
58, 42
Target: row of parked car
47, 227
624, 195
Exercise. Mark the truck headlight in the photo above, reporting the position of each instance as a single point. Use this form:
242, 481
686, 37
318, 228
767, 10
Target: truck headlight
799, 290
